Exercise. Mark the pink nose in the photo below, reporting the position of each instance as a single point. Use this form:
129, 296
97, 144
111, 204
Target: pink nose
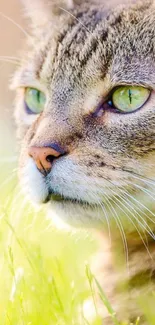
43, 158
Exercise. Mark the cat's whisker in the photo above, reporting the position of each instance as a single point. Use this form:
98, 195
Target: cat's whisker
139, 203
14, 23
146, 181
149, 230
124, 206
122, 209
68, 12
83, 25
140, 177
128, 202
143, 224
10, 61
121, 229
131, 207
146, 184
106, 217
10, 57
143, 189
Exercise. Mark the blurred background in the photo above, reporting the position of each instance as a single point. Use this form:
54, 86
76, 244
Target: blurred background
11, 39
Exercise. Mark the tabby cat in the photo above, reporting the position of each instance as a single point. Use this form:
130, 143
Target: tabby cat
85, 110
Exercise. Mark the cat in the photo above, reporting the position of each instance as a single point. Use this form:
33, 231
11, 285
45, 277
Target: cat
85, 112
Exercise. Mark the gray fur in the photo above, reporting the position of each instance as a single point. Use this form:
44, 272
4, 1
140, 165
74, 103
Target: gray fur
77, 57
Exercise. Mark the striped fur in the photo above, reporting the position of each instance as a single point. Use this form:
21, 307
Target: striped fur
78, 51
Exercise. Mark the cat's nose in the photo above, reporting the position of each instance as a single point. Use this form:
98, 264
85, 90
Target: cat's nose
44, 157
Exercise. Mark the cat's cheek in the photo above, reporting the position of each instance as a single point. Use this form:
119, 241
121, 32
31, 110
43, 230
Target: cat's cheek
24, 125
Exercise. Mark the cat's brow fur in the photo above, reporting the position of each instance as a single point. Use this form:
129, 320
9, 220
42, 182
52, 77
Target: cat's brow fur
77, 53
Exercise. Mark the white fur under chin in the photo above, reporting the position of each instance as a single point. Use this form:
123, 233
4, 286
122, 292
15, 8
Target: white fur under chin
66, 215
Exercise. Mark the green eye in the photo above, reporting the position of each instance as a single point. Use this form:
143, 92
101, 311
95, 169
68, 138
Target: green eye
35, 100
129, 98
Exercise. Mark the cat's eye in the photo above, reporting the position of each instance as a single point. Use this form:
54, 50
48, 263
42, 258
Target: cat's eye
34, 100
128, 99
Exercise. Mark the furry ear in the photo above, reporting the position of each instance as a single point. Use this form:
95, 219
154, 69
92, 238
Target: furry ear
41, 11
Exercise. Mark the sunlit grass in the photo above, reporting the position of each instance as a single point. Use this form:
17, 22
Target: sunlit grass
43, 277
45, 273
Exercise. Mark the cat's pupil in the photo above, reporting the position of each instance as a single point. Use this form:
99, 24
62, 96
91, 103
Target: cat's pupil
38, 96
130, 96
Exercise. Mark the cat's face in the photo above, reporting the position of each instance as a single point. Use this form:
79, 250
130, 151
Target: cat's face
90, 124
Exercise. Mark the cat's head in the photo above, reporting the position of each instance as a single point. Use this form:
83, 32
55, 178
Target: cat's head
85, 105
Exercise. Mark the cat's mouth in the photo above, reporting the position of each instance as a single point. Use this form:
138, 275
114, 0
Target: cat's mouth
58, 198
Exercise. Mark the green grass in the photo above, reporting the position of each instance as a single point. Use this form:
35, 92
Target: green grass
45, 274
43, 270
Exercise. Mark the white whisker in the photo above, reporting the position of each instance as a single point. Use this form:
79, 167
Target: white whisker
80, 22
10, 61
120, 227
106, 217
10, 57
68, 12
118, 205
149, 230
142, 178
141, 204
14, 23
143, 189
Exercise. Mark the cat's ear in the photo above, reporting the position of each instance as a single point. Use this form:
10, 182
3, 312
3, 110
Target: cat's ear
41, 11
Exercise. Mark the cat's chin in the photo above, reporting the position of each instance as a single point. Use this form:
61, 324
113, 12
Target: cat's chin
75, 213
